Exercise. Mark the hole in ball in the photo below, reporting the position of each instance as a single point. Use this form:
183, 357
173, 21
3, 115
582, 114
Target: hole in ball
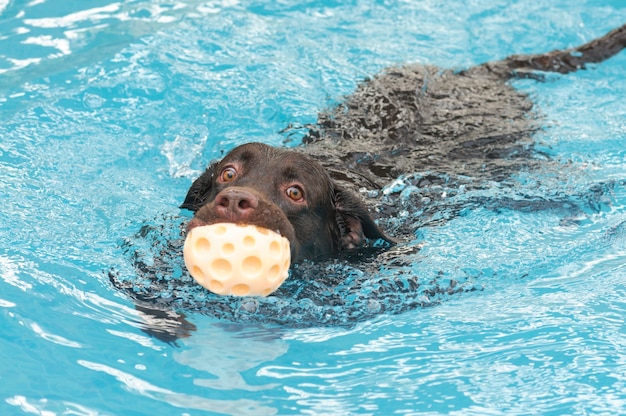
203, 246
219, 230
241, 289
275, 249
249, 241
216, 287
263, 231
196, 273
221, 268
274, 272
251, 265
228, 249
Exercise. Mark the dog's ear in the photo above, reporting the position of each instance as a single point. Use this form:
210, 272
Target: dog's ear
354, 221
199, 190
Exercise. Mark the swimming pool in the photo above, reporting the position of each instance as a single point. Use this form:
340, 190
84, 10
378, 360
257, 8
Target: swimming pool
101, 103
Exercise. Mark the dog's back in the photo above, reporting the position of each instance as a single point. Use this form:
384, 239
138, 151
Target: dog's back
419, 118
471, 123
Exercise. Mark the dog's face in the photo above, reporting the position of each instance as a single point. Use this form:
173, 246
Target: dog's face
284, 191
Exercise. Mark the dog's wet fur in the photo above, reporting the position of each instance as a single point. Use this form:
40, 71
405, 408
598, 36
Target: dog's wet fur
469, 124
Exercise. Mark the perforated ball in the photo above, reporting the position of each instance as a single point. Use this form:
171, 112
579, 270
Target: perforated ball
240, 260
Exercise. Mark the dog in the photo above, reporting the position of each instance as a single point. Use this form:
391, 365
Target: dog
471, 123
332, 196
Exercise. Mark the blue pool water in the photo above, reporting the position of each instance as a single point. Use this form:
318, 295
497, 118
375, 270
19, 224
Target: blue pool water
109, 110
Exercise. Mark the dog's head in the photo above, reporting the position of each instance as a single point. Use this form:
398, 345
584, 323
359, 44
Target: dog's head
284, 191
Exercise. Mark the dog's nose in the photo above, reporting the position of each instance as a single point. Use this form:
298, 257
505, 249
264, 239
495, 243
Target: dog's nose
236, 203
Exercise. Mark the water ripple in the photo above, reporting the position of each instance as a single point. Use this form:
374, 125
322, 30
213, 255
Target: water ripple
185, 401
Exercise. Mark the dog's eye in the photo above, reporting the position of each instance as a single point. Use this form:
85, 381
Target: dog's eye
228, 174
295, 193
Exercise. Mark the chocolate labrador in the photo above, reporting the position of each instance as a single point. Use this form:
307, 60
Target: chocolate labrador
471, 123
427, 127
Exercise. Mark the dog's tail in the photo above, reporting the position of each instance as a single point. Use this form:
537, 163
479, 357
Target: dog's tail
562, 61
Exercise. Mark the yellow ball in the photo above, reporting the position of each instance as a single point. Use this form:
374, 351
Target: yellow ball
234, 259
